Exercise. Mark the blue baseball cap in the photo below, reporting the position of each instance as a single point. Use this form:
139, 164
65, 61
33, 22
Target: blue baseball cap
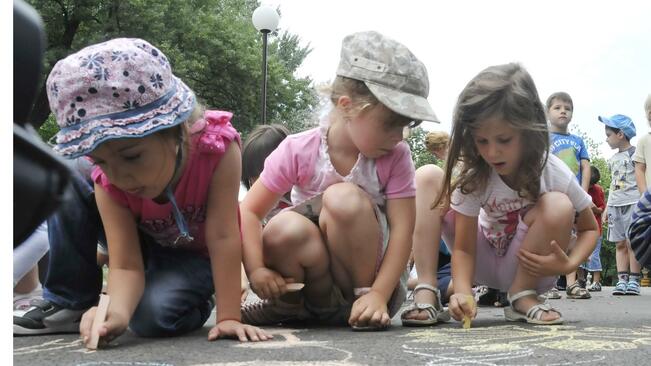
621, 122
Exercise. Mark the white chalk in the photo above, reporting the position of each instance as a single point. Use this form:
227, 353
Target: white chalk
100, 317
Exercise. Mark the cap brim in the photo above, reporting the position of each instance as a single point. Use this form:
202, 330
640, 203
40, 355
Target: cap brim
606, 121
408, 105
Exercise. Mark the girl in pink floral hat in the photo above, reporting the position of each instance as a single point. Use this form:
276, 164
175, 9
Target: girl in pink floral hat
165, 182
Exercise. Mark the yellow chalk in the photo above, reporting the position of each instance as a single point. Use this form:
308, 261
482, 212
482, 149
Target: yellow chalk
466, 319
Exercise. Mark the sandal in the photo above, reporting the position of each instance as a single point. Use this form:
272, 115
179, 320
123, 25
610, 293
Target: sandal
595, 287
575, 291
435, 313
534, 314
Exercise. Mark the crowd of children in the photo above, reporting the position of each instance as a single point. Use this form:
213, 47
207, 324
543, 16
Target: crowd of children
337, 208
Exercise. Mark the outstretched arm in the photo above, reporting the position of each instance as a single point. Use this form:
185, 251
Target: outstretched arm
225, 249
400, 216
126, 278
463, 265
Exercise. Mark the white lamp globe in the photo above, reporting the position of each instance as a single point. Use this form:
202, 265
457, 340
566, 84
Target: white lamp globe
265, 18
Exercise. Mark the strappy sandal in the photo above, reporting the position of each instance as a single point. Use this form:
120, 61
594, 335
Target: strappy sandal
435, 313
576, 292
534, 314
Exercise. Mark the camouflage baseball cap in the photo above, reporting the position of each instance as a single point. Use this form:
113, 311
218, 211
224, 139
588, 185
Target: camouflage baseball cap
393, 74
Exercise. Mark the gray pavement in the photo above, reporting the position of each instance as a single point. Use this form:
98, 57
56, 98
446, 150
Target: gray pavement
605, 330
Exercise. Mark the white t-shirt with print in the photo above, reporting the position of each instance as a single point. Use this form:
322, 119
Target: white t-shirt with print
499, 206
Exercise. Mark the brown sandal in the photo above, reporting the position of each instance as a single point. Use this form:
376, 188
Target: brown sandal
576, 292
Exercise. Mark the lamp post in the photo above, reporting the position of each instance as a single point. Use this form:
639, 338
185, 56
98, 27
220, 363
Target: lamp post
265, 20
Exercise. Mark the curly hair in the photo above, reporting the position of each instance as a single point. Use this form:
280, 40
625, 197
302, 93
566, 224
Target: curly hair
436, 140
509, 93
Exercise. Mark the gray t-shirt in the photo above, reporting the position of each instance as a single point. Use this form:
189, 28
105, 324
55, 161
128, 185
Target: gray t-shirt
623, 188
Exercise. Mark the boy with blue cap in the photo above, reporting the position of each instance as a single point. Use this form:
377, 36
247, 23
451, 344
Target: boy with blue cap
622, 199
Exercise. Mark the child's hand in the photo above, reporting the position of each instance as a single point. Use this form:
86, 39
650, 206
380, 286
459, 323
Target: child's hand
112, 328
267, 283
369, 310
552, 264
460, 305
234, 329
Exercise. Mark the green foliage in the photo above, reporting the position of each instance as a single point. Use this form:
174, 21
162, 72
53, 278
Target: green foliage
211, 44
419, 153
48, 129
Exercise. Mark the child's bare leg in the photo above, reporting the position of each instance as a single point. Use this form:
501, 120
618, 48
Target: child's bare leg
553, 210
28, 283
352, 235
596, 276
293, 247
427, 234
634, 265
622, 258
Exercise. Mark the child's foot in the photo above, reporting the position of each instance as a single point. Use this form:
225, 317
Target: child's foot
526, 307
273, 311
526, 303
620, 288
595, 287
632, 288
426, 309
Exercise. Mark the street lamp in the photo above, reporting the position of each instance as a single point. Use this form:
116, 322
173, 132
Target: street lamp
265, 20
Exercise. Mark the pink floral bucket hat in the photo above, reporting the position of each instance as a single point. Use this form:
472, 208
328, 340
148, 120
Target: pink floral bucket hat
122, 88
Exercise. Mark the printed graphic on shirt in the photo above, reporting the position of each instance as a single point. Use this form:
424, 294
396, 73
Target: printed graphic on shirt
165, 232
501, 227
568, 156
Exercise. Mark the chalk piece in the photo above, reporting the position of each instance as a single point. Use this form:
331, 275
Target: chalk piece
100, 317
292, 287
466, 319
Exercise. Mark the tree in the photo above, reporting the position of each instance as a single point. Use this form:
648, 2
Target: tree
419, 153
212, 45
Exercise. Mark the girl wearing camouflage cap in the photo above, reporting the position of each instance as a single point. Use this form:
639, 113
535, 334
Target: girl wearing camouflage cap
348, 234
166, 180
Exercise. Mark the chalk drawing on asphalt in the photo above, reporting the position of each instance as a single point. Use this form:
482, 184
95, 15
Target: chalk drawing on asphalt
490, 345
53, 345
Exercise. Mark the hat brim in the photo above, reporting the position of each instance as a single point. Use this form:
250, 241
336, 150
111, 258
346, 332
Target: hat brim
606, 121
168, 111
405, 104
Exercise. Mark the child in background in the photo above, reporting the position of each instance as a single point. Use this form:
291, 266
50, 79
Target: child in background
437, 143
262, 140
165, 184
347, 236
513, 204
622, 198
643, 153
427, 308
593, 264
571, 149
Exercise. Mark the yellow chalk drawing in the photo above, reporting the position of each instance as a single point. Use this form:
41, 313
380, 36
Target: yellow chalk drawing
509, 342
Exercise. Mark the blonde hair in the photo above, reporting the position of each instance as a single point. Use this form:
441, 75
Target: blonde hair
507, 92
362, 98
647, 104
437, 140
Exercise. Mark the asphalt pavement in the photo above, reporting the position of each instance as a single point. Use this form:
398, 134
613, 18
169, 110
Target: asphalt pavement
604, 330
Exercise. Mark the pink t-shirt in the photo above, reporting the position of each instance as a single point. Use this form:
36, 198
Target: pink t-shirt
295, 162
211, 136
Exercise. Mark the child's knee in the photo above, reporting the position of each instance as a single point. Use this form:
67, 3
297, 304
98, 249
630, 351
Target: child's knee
344, 202
555, 210
430, 176
285, 230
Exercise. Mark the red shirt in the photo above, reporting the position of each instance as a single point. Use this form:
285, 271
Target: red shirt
599, 199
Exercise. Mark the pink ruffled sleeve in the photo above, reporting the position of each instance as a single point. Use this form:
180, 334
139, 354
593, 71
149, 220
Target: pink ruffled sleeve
216, 132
